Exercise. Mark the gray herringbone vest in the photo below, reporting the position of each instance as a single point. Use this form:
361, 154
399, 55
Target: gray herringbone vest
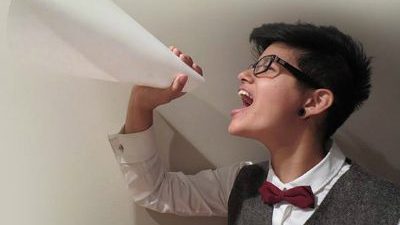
356, 198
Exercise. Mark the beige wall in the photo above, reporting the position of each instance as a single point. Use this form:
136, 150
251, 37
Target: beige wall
57, 166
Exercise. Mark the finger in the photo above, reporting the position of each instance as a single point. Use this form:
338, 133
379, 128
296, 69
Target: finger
176, 51
171, 47
186, 59
197, 68
189, 58
174, 85
179, 83
175, 90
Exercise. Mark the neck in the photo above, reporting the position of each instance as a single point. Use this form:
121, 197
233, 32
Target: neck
295, 157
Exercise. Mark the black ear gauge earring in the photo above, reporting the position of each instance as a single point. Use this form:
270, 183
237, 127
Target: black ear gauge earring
301, 112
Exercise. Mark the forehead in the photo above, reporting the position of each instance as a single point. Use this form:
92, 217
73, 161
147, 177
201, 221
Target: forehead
283, 51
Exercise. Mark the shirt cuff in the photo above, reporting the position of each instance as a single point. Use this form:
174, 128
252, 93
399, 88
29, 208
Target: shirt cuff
133, 147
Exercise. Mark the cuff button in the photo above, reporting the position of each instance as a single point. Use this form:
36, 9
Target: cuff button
120, 147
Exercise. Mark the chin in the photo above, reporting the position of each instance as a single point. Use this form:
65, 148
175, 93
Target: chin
233, 129
236, 130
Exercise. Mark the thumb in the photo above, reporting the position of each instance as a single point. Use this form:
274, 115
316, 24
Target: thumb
179, 83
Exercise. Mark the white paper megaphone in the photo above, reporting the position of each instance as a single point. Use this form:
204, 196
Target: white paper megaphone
91, 38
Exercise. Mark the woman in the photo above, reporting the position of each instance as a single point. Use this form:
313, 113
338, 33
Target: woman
306, 82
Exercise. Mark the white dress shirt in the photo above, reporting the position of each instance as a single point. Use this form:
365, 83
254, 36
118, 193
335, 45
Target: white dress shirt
206, 193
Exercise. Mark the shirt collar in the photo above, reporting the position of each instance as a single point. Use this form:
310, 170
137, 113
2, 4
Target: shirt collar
318, 176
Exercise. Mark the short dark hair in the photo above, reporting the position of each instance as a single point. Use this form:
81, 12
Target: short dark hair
334, 59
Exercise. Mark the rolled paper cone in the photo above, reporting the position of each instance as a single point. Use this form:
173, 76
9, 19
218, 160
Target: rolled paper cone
91, 38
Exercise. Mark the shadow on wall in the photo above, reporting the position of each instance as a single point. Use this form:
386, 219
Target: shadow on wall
193, 162
371, 159
206, 129
183, 156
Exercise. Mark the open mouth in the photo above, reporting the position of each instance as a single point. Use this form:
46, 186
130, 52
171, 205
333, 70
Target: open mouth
246, 97
247, 100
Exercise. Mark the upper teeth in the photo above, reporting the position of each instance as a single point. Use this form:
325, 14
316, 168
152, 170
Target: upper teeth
243, 92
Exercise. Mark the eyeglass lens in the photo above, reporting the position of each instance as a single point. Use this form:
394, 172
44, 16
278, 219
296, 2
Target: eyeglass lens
262, 65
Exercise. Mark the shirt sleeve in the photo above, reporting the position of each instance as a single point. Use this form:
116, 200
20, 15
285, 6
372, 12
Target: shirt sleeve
152, 186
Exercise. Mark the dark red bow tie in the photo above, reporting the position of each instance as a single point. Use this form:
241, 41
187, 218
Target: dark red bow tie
301, 196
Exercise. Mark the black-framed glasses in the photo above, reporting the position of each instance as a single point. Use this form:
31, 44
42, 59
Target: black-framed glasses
264, 64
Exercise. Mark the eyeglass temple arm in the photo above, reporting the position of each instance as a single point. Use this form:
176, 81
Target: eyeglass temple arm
299, 74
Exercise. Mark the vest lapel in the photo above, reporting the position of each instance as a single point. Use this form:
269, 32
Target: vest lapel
255, 212
320, 212
245, 206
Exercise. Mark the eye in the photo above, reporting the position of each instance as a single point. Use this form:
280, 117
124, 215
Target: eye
260, 68
272, 68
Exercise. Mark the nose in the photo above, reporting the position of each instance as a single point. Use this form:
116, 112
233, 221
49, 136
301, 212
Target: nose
246, 76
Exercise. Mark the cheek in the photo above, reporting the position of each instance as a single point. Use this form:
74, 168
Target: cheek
277, 102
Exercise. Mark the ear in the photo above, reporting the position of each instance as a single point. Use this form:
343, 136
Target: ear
318, 102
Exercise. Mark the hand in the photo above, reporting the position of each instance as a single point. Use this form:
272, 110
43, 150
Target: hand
145, 99
149, 98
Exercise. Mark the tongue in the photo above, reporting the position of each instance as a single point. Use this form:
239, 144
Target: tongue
247, 101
